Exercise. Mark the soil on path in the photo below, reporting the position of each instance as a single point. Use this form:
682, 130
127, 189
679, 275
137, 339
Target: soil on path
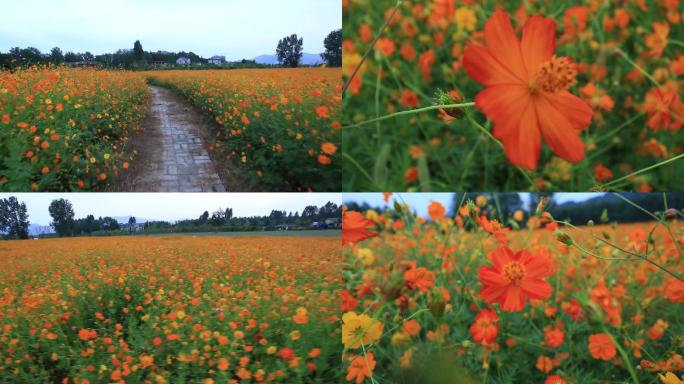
171, 150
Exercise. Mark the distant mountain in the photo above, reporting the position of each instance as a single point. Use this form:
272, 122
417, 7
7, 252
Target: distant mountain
37, 229
307, 59
124, 219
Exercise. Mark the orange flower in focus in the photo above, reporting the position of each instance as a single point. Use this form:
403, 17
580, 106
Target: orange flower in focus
484, 330
601, 346
436, 211
355, 227
360, 368
514, 278
526, 92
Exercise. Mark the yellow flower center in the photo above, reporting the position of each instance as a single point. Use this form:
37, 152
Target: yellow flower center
555, 75
514, 271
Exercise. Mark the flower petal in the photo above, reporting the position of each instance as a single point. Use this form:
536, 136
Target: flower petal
503, 43
538, 42
558, 134
577, 111
536, 288
482, 67
504, 105
522, 144
514, 300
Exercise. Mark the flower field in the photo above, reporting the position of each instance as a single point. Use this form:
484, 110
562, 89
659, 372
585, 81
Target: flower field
465, 299
281, 126
512, 95
170, 310
65, 129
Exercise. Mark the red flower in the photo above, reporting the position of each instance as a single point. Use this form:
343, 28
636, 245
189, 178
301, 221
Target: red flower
354, 227
514, 278
601, 346
286, 354
601, 173
525, 91
484, 330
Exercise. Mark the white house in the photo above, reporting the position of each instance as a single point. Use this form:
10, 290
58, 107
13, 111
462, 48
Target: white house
183, 60
217, 60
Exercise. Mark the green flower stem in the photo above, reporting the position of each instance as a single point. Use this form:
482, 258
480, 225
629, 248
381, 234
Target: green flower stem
409, 112
624, 355
370, 47
603, 187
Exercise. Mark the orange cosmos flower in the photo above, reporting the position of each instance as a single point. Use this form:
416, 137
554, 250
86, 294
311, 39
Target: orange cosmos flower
514, 278
526, 92
601, 346
323, 112
329, 148
354, 227
411, 327
553, 336
436, 210
601, 173
324, 160
360, 368
660, 105
484, 330
418, 278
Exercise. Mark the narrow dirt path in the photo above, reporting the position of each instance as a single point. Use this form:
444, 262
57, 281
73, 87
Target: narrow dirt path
172, 155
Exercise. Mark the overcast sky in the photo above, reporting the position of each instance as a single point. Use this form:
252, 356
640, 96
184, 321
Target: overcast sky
420, 201
170, 206
236, 29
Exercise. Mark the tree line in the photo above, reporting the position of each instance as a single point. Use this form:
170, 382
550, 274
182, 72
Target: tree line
14, 223
288, 51
602, 208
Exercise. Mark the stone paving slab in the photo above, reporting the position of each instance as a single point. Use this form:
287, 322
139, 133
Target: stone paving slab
184, 164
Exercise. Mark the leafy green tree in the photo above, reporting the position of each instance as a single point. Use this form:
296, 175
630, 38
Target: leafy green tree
13, 218
131, 223
110, 224
62, 214
71, 57
56, 56
333, 49
138, 50
289, 51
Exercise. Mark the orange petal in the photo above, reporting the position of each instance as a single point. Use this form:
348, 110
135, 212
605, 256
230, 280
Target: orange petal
536, 288
503, 43
523, 145
538, 42
558, 133
577, 111
515, 300
482, 67
504, 105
